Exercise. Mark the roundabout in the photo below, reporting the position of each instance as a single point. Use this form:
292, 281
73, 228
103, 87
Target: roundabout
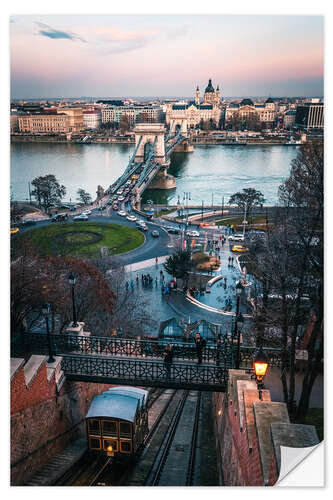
85, 239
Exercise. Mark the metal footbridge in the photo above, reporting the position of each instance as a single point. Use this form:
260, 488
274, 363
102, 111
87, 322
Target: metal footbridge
140, 362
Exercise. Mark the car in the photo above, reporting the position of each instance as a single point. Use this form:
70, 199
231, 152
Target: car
121, 198
132, 218
194, 234
121, 213
109, 202
120, 191
65, 206
172, 230
86, 212
80, 217
14, 230
236, 237
114, 207
142, 227
59, 217
239, 248
155, 233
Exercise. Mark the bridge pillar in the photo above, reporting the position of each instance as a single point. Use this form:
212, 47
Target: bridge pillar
149, 133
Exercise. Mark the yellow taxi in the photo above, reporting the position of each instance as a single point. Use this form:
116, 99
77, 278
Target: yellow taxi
239, 248
14, 230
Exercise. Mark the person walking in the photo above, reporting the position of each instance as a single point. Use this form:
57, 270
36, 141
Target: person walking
199, 345
168, 355
156, 260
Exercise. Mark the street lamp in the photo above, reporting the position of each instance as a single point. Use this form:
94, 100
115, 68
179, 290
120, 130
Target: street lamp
260, 365
72, 281
239, 321
46, 311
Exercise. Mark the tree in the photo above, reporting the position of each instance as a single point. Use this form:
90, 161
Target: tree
248, 199
179, 264
83, 196
47, 190
35, 280
290, 268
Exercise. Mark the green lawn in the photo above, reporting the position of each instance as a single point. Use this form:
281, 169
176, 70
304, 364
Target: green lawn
258, 219
80, 239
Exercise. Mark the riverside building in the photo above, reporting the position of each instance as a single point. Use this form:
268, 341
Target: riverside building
310, 116
210, 110
266, 112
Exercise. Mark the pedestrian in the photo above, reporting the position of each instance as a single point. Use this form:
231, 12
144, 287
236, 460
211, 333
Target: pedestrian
232, 261
168, 355
156, 280
199, 345
156, 260
127, 285
137, 279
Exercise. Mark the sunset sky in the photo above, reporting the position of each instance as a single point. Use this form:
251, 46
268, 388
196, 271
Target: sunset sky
115, 56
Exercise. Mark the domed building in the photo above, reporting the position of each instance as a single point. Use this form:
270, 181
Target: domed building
196, 111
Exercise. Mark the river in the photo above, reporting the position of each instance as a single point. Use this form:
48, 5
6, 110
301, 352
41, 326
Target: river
209, 173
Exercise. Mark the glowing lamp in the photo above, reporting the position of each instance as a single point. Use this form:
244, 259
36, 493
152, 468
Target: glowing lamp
109, 451
260, 365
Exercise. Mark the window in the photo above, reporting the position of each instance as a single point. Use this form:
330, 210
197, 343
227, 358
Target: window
109, 428
94, 427
126, 446
110, 442
125, 429
94, 443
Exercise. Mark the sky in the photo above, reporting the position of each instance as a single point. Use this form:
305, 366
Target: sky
165, 55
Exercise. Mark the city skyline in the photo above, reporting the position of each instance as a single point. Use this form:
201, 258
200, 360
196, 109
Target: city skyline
71, 56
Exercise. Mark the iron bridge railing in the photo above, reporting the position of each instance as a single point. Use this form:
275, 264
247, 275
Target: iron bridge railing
37, 343
149, 373
221, 353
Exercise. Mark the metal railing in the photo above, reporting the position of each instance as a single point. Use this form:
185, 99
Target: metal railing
146, 373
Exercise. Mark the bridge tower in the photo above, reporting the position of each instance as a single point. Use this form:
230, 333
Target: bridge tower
152, 133
180, 122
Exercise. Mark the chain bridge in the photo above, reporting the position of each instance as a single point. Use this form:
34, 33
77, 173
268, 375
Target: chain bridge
151, 156
140, 362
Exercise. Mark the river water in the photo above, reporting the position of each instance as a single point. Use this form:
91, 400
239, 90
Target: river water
209, 173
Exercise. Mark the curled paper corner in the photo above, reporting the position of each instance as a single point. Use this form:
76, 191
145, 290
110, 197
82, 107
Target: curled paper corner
302, 466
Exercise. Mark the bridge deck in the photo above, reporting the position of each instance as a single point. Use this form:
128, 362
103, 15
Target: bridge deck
114, 370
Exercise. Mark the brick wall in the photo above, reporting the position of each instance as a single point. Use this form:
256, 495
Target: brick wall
43, 420
250, 431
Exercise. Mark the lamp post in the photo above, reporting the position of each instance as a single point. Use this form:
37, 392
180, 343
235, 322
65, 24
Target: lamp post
239, 321
72, 281
46, 311
260, 365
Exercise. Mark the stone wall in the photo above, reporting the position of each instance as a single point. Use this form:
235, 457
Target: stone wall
250, 431
46, 413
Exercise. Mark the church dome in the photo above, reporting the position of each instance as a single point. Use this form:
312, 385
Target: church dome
246, 102
269, 101
209, 87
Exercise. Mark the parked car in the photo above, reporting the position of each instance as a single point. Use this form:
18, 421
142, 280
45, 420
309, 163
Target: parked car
132, 218
81, 218
86, 212
142, 227
121, 213
155, 234
115, 207
14, 230
121, 198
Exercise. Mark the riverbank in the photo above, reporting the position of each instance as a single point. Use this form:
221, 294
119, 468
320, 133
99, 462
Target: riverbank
129, 139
